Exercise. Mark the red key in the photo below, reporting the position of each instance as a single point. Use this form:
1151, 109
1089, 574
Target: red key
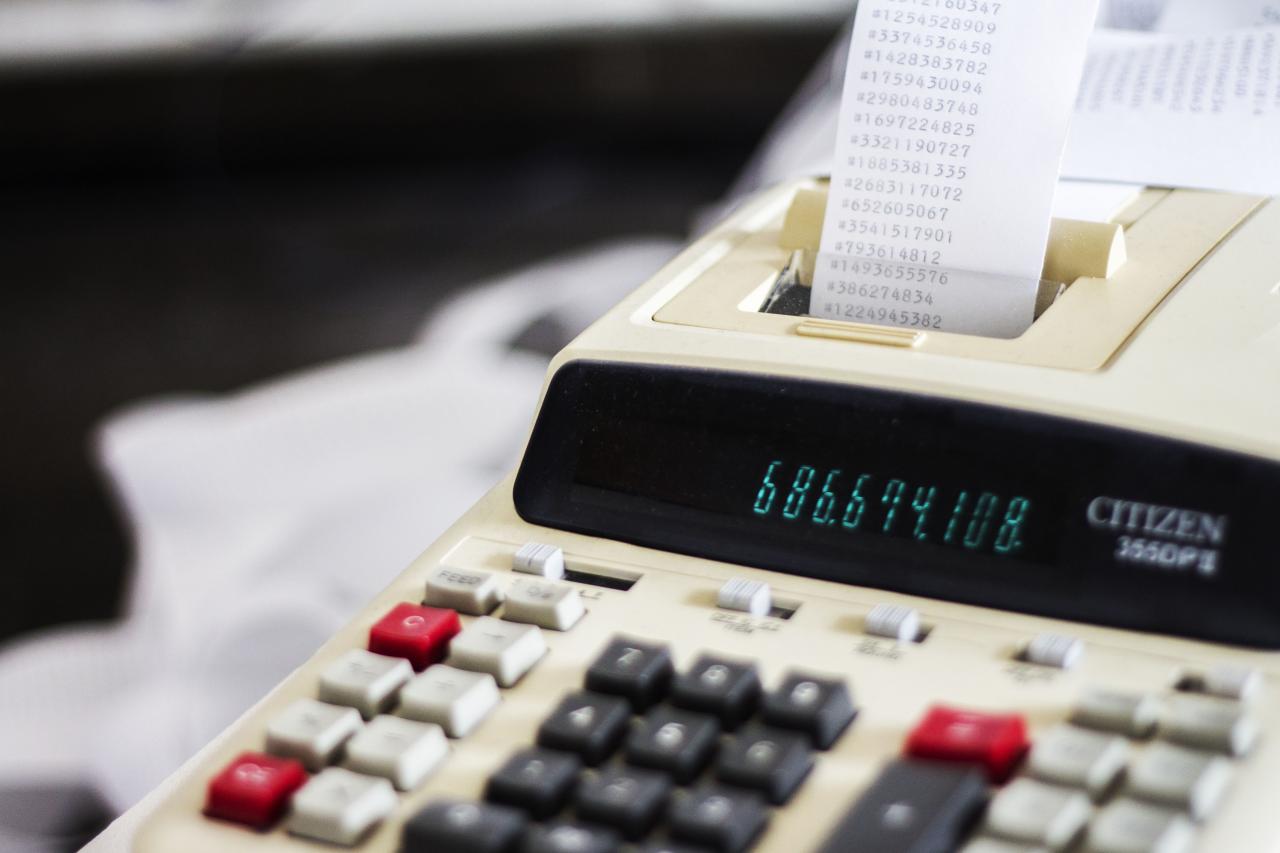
996, 741
419, 634
254, 789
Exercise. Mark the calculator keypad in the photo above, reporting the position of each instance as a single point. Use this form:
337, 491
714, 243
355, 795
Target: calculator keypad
312, 732
771, 761
997, 742
554, 606
365, 681
539, 781
820, 707
570, 837
1127, 825
392, 751
1185, 779
679, 743
719, 817
629, 799
1217, 725
1147, 797
658, 771
469, 591
913, 805
641, 672
454, 699
505, 650
589, 725
402, 751
1068, 755
729, 690
1039, 814
449, 826
339, 806
1133, 715
643, 757
418, 634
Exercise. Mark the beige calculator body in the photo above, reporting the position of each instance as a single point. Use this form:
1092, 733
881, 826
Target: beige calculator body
931, 546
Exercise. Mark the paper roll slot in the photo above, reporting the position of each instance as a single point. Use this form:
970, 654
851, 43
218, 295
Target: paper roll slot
1076, 249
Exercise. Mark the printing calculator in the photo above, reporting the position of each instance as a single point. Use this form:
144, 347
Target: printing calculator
768, 582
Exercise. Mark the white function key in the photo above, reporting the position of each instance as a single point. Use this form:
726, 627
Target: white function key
1129, 714
555, 606
740, 594
1208, 723
402, 751
1232, 682
505, 650
340, 807
365, 681
454, 699
467, 591
1127, 826
894, 621
539, 558
1056, 650
987, 844
311, 732
1079, 758
1186, 779
1035, 813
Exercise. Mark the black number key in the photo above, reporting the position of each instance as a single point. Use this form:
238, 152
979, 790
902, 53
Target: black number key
772, 761
678, 742
463, 827
588, 724
624, 798
720, 818
726, 689
668, 847
536, 780
566, 837
913, 807
639, 671
821, 707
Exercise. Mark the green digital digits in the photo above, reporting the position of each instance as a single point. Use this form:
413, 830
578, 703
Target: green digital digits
857, 505
920, 504
983, 511
1009, 538
954, 523
799, 493
969, 525
892, 496
768, 491
825, 510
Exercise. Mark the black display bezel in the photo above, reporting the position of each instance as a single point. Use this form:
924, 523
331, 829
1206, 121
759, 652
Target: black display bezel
1239, 605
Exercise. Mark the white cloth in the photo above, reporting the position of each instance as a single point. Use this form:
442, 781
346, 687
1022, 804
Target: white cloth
262, 521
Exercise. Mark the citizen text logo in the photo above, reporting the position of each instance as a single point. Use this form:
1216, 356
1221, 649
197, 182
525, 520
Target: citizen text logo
1165, 522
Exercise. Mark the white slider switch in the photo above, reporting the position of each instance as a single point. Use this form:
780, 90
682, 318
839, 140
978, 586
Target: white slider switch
894, 622
539, 558
1232, 682
740, 594
1056, 650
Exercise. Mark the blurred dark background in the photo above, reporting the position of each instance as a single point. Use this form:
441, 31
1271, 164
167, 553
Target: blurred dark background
197, 221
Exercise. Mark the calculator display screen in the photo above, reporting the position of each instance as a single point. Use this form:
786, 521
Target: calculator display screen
912, 493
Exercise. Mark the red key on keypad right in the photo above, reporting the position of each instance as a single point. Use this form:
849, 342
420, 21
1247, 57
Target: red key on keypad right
997, 742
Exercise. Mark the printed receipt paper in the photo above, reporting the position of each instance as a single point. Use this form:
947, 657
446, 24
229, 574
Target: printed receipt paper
1181, 110
952, 125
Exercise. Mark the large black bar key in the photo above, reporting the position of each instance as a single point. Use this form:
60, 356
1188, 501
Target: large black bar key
912, 807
